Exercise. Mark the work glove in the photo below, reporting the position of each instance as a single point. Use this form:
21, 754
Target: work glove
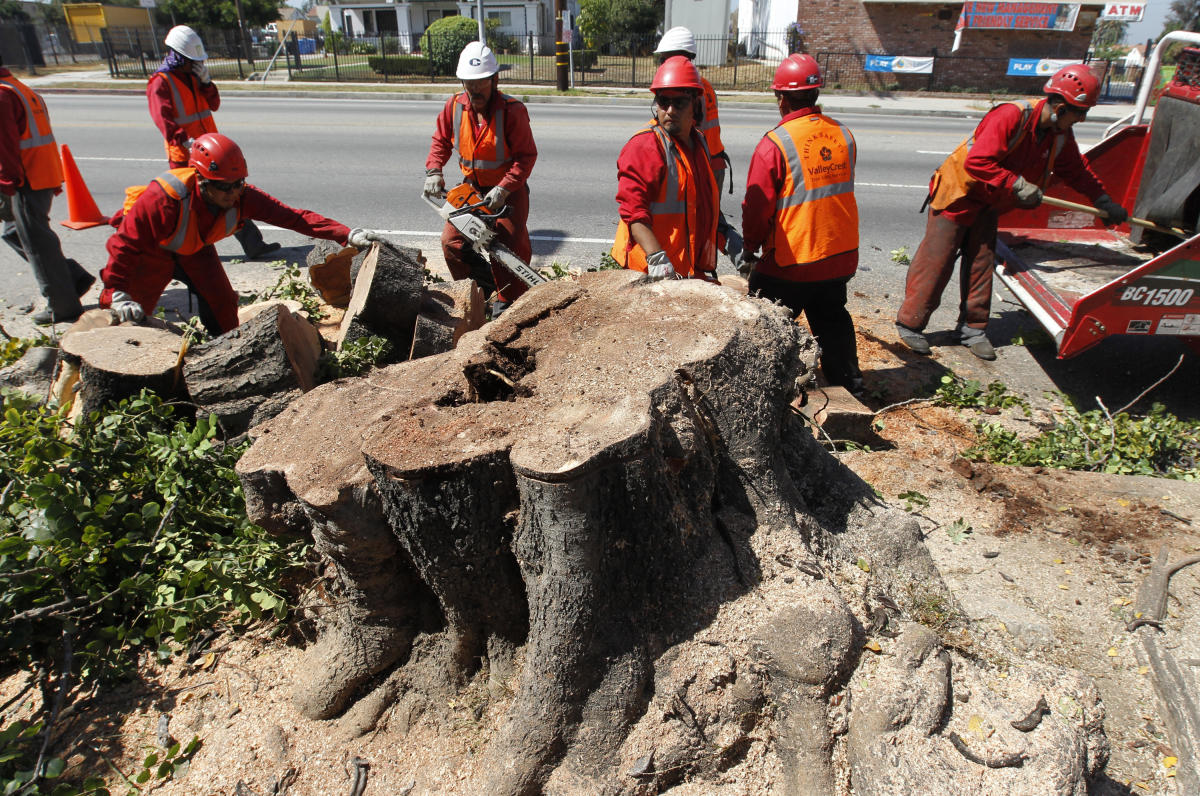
495, 199
733, 245
658, 266
200, 70
743, 261
1116, 213
1027, 194
361, 238
434, 184
125, 308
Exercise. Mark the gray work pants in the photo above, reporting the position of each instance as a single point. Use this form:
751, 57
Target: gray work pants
30, 235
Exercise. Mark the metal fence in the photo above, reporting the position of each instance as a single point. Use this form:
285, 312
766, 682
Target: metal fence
743, 61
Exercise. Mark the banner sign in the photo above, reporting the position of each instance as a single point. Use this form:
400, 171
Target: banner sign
1018, 16
1036, 67
900, 64
1123, 12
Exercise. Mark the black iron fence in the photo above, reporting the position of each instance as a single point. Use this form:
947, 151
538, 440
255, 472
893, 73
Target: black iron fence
743, 61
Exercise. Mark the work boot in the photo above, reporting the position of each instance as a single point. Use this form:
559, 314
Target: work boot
913, 339
976, 341
47, 316
261, 254
83, 283
498, 306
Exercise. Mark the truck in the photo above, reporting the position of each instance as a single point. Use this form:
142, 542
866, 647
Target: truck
1084, 282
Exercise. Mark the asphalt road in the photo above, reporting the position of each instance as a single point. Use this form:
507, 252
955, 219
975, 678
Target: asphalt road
361, 161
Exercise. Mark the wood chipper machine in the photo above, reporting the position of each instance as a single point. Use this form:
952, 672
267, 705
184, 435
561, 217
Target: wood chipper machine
1084, 282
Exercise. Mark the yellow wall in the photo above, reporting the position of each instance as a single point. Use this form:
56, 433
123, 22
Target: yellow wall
86, 19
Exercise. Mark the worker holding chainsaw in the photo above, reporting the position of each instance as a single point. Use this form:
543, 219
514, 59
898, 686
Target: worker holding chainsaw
182, 98
169, 228
666, 191
490, 132
800, 209
1005, 164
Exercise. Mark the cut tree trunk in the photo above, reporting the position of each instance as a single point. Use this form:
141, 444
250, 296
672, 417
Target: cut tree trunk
250, 373
448, 311
329, 271
386, 297
617, 515
120, 361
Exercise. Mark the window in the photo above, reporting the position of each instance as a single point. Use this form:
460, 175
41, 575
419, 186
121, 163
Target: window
504, 17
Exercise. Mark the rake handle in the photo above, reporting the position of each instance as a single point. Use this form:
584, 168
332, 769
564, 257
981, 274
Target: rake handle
1137, 222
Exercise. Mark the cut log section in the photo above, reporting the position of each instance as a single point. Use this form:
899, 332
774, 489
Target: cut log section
448, 311
251, 373
120, 361
329, 271
386, 297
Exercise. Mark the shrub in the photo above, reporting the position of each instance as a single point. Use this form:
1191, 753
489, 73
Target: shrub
585, 59
400, 64
444, 40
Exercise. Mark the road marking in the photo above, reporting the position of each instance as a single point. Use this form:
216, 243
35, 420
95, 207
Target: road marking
931, 152
888, 185
416, 233
127, 160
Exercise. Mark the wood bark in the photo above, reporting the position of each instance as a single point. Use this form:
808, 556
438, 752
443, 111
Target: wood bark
448, 311
386, 297
329, 271
120, 361
250, 373
585, 491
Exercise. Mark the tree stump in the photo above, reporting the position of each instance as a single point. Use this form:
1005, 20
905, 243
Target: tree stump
250, 373
120, 361
609, 503
386, 297
448, 311
329, 271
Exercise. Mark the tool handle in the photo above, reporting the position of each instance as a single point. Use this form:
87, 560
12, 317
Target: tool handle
1137, 222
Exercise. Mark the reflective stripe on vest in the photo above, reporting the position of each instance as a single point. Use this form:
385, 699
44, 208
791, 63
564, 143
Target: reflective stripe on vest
491, 145
187, 114
816, 215
39, 152
710, 127
178, 184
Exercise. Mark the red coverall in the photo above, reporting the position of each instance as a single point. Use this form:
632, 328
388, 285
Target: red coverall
968, 226
140, 266
162, 108
511, 231
641, 171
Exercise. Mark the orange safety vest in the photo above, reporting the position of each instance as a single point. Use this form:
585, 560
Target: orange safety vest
673, 213
816, 215
482, 154
39, 152
952, 181
711, 126
191, 112
179, 184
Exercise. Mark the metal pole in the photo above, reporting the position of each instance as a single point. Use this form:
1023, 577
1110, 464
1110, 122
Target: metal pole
560, 47
479, 13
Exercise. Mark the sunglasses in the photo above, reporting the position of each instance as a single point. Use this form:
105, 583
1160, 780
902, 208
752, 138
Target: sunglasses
226, 186
678, 102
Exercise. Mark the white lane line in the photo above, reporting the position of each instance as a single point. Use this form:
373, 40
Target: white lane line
416, 233
127, 160
888, 185
931, 152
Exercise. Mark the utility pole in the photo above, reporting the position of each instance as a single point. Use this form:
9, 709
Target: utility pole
479, 13
242, 33
560, 46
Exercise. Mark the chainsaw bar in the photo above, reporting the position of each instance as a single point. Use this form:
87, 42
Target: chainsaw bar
518, 266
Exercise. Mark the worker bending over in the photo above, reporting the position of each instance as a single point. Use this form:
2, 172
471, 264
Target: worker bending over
170, 230
666, 191
1005, 164
490, 132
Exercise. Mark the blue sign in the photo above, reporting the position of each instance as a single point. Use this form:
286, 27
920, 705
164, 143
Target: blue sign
879, 63
1036, 67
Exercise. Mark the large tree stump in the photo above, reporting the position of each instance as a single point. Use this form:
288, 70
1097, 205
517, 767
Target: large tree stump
386, 297
120, 361
607, 494
249, 374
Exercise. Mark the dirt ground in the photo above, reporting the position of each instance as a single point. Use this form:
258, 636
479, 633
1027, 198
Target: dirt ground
1048, 570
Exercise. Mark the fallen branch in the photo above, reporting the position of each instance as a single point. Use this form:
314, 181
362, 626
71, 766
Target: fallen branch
1147, 391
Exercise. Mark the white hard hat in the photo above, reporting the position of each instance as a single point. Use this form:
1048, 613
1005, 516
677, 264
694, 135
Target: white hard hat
476, 61
186, 42
677, 40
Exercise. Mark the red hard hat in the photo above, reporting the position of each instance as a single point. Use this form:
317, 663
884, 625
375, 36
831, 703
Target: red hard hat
1076, 84
798, 72
216, 157
677, 72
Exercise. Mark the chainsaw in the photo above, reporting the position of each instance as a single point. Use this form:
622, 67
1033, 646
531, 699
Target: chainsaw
464, 208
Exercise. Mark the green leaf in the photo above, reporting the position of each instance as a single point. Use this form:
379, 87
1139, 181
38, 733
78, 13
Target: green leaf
54, 768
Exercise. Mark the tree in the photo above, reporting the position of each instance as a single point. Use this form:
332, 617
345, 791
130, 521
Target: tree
1184, 15
445, 39
603, 22
1106, 38
11, 10
220, 13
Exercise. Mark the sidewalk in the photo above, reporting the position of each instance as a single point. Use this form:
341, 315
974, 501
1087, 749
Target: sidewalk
915, 104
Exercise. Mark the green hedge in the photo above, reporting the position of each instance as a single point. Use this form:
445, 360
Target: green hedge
400, 64
584, 59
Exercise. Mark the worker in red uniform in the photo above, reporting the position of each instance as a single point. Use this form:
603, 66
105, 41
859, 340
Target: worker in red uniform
799, 208
30, 176
490, 132
681, 41
1007, 163
182, 98
169, 231
666, 191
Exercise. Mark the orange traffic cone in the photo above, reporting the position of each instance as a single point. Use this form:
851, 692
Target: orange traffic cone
81, 207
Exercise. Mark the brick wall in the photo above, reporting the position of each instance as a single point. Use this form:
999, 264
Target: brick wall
850, 26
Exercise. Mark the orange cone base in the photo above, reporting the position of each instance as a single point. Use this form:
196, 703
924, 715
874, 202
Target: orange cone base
83, 224
81, 207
